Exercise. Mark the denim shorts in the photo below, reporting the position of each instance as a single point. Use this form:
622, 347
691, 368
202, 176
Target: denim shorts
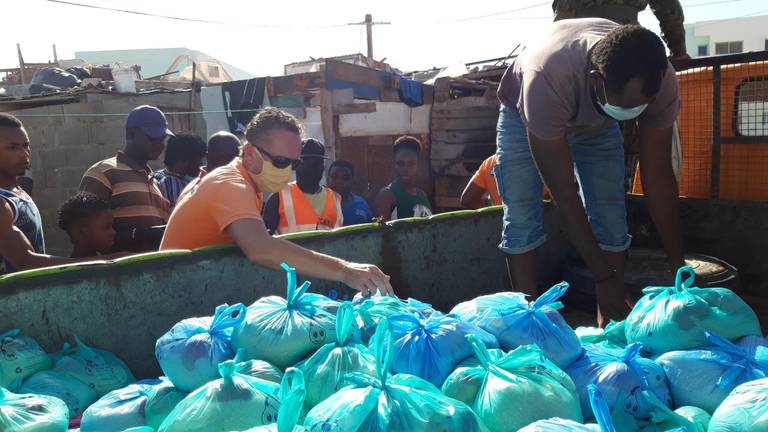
599, 168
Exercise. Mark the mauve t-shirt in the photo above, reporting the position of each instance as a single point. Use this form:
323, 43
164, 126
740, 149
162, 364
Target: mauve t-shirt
548, 83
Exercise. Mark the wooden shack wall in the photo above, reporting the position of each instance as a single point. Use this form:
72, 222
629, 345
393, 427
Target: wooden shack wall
358, 120
463, 134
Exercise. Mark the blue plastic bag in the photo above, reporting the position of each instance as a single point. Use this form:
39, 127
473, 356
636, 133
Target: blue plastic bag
119, 410
281, 331
612, 336
752, 345
232, 403
325, 371
399, 403
257, 368
292, 394
100, 369
32, 413
516, 322
706, 376
510, 391
431, 348
675, 318
473, 310
744, 410
161, 400
621, 376
20, 357
189, 354
76, 394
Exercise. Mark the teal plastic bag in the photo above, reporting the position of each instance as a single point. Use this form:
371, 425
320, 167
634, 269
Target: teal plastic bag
161, 400
431, 348
257, 368
119, 410
325, 371
613, 336
100, 369
399, 403
744, 410
76, 394
190, 352
232, 403
283, 331
495, 384
292, 394
704, 377
32, 413
675, 318
599, 408
516, 322
661, 418
698, 419
370, 310
20, 357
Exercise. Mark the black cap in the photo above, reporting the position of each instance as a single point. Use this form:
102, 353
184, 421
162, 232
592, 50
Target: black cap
311, 147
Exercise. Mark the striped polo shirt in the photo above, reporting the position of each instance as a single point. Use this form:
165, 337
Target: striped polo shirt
131, 191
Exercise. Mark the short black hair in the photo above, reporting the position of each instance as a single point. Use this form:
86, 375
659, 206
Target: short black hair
184, 147
341, 163
627, 52
407, 143
8, 120
78, 207
222, 139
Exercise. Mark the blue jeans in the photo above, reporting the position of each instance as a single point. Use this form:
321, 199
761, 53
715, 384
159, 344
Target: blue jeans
599, 169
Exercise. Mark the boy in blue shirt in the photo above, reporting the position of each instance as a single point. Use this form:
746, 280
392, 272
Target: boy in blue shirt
355, 209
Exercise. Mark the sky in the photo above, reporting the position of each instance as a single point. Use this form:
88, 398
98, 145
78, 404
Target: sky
261, 38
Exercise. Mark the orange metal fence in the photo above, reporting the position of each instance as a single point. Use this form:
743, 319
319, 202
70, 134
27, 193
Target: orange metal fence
723, 125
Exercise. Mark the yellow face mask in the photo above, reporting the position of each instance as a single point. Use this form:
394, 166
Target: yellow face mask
271, 179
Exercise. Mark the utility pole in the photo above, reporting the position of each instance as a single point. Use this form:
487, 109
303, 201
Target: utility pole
369, 23
22, 72
55, 55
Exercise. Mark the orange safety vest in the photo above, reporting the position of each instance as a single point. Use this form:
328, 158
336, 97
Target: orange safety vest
297, 214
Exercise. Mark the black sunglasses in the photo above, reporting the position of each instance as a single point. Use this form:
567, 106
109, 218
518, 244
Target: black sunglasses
280, 162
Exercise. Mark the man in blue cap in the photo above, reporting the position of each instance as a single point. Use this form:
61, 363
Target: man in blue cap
126, 182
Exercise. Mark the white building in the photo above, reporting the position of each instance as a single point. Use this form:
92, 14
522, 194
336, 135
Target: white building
727, 36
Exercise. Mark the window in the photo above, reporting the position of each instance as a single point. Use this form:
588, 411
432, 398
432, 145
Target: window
703, 50
729, 47
213, 71
752, 107
766, 44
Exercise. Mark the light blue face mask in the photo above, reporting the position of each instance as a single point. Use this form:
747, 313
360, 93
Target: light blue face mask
619, 113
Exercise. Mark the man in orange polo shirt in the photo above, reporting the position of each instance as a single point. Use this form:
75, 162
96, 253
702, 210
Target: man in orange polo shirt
225, 206
482, 187
305, 205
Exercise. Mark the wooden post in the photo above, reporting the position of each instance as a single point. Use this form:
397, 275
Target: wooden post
192, 93
22, 72
369, 32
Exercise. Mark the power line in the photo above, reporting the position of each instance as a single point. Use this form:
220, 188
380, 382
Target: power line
184, 19
503, 12
715, 22
710, 3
